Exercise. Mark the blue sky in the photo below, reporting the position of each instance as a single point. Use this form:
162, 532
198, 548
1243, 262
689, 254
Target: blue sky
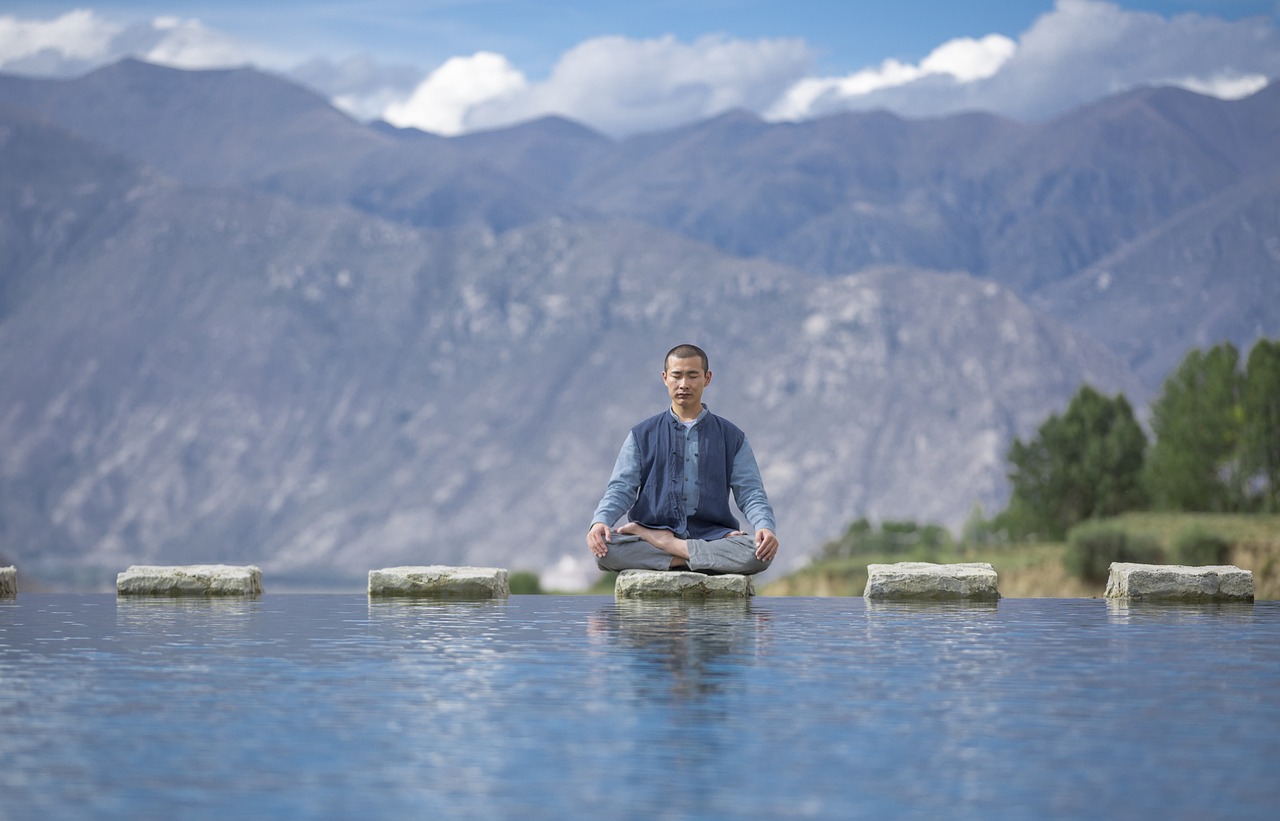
849, 33
458, 65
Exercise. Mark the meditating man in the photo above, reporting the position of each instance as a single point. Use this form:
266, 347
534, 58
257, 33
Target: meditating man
673, 478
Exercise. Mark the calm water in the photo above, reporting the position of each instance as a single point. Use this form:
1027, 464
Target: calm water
331, 706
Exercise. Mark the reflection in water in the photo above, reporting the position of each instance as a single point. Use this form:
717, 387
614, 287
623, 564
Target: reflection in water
676, 684
158, 614
681, 649
1123, 611
567, 707
431, 621
954, 607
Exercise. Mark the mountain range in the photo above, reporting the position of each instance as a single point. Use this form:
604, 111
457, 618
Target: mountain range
238, 326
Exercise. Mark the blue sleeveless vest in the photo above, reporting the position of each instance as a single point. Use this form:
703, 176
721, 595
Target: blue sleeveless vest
660, 503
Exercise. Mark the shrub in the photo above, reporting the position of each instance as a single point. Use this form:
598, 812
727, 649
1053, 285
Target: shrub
889, 538
1093, 546
1197, 546
524, 581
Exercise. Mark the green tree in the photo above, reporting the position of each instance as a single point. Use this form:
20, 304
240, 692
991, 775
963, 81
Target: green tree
1081, 465
1197, 420
1260, 438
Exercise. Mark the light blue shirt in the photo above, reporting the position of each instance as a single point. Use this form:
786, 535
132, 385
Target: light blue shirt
744, 481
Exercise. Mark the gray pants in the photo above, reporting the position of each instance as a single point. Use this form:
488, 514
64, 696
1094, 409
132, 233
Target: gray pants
732, 554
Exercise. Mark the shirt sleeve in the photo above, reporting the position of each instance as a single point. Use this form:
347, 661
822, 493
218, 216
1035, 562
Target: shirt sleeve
748, 489
624, 484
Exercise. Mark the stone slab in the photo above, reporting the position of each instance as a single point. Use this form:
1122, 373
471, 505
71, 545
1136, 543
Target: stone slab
925, 581
681, 584
190, 580
439, 581
8, 582
1179, 583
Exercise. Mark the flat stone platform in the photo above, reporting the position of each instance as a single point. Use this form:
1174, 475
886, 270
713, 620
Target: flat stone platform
1179, 583
8, 582
924, 581
681, 584
190, 580
439, 581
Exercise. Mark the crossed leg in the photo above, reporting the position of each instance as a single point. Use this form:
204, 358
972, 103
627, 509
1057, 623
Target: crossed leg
636, 546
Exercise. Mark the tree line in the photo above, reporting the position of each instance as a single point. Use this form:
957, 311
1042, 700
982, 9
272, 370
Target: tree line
1215, 448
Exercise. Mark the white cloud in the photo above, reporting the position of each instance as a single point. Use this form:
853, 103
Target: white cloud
360, 86
963, 60
635, 85
190, 44
1087, 49
77, 34
1080, 51
81, 40
444, 101
967, 59
616, 84
1224, 86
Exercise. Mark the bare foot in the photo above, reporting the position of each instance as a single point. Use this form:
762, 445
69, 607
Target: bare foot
664, 540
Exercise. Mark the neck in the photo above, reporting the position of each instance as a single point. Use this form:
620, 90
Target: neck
686, 414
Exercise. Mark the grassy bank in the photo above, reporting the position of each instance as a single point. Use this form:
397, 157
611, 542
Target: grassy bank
1037, 569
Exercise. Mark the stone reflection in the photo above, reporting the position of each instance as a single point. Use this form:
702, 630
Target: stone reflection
412, 614
905, 607
1125, 611
425, 621
161, 615
682, 650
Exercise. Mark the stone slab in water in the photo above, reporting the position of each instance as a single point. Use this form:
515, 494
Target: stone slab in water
440, 582
190, 580
8, 582
1173, 582
924, 581
681, 584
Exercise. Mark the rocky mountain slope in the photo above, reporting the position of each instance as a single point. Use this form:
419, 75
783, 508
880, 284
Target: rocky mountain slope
237, 326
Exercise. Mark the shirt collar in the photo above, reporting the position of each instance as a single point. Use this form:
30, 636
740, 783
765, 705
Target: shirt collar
702, 415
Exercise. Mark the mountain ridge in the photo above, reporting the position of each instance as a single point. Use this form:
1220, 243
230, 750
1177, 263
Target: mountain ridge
374, 348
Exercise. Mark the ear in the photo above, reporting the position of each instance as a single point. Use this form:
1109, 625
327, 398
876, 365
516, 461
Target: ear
708, 380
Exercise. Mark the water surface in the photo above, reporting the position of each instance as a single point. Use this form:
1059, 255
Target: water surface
334, 706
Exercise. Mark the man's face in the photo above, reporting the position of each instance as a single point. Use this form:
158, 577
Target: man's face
686, 380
